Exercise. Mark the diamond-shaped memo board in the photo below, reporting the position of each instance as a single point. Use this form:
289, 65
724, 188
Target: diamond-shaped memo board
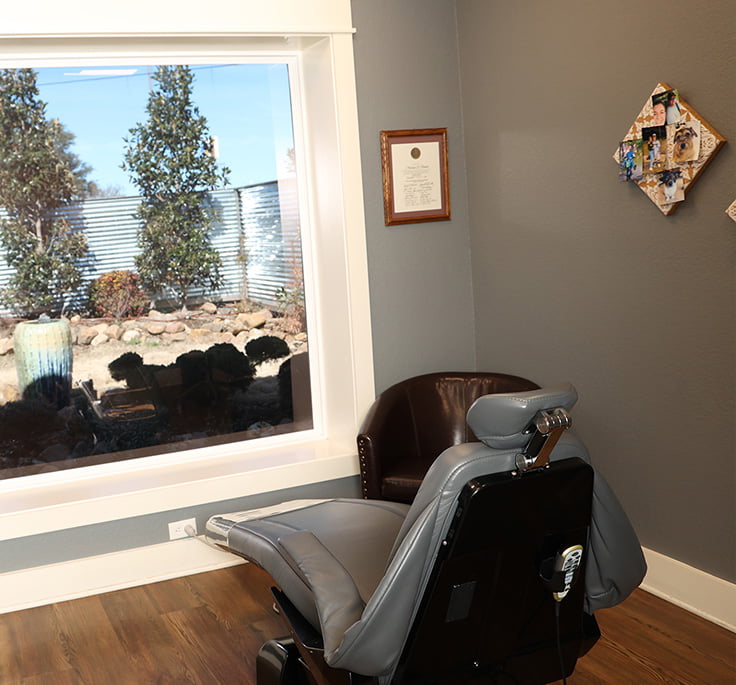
710, 143
731, 211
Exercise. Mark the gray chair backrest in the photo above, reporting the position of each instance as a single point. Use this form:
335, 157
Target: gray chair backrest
373, 644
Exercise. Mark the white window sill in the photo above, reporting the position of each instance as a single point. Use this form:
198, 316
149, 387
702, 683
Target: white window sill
102, 496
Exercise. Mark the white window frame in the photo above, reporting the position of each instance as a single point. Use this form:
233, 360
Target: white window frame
316, 36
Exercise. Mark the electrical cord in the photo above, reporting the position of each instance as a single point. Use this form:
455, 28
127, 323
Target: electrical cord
559, 643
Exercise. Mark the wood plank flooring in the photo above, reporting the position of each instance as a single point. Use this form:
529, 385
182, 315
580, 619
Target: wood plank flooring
206, 629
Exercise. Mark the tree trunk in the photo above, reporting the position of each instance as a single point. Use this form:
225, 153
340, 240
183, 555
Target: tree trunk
39, 231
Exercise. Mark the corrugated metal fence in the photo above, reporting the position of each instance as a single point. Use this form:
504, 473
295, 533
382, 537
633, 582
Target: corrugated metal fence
256, 234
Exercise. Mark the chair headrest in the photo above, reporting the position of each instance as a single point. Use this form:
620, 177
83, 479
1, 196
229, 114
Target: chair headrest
501, 420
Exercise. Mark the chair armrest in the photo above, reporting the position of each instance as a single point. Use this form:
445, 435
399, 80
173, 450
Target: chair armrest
338, 602
386, 433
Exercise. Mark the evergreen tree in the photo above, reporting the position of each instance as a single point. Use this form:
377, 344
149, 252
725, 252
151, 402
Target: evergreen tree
35, 180
169, 159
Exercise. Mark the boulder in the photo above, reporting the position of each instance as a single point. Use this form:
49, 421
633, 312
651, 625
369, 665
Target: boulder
155, 328
155, 315
10, 393
255, 319
131, 335
86, 334
113, 331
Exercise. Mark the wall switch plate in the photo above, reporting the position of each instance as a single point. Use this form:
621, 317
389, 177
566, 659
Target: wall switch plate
177, 529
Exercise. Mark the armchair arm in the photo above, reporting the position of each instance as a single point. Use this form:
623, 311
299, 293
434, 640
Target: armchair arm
338, 602
387, 433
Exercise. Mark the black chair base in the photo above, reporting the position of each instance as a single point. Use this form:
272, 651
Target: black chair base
278, 663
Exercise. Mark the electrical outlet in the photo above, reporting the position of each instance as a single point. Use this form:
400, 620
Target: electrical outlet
177, 529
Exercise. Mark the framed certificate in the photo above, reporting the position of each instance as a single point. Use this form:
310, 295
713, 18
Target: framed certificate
416, 184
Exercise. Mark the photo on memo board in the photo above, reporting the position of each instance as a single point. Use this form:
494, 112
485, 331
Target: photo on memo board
630, 160
655, 143
685, 139
666, 107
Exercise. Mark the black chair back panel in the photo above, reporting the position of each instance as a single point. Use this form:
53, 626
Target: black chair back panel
505, 526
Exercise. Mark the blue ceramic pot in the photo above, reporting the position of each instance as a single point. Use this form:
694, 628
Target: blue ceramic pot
43, 360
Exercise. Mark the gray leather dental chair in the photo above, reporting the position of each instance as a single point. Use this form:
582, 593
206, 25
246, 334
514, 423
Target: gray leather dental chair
491, 575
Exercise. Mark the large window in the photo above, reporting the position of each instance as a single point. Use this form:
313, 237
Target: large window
175, 212
328, 191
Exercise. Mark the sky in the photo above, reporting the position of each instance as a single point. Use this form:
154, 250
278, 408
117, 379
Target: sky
247, 106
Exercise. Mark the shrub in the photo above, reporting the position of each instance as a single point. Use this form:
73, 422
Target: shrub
266, 347
117, 294
41, 277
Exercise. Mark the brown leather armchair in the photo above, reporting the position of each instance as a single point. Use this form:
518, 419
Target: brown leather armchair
412, 422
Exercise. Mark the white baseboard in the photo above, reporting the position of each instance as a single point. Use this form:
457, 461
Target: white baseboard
685, 586
107, 572
690, 588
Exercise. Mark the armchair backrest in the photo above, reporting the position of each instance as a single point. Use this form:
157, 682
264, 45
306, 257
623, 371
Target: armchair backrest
435, 405
415, 420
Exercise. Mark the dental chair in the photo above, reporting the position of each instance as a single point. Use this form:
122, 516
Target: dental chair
492, 575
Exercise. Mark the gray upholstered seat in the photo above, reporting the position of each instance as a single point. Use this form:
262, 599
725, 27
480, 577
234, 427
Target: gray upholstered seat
357, 569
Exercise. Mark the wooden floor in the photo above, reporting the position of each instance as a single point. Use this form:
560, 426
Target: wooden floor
207, 629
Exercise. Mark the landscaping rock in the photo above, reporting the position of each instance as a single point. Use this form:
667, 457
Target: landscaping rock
237, 326
155, 328
200, 334
6, 345
86, 334
155, 315
10, 393
131, 335
174, 337
113, 331
208, 308
254, 319
99, 339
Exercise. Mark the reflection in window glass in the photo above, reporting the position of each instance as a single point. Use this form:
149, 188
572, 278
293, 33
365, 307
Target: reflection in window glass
151, 277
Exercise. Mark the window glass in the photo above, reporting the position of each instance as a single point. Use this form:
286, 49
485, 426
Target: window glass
151, 270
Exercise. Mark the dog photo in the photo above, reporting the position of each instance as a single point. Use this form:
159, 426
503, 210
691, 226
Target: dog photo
655, 141
670, 187
630, 160
685, 139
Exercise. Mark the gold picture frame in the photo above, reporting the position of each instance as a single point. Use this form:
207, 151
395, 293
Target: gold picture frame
416, 186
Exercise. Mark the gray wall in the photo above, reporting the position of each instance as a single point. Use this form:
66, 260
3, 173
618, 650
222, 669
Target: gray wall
141, 531
580, 277
420, 280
